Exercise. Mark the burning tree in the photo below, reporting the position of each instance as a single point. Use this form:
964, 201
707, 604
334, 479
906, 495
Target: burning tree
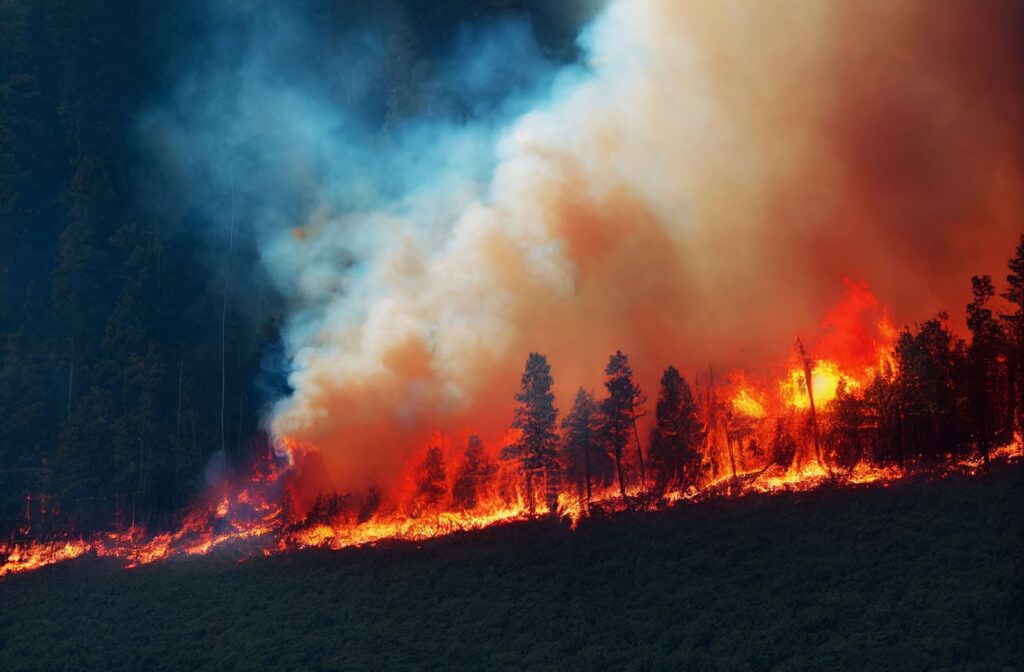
783, 444
985, 389
676, 435
930, 404
431, 482
536, 450
585, 460
1015, 335
474, 475
846, 435
619, 412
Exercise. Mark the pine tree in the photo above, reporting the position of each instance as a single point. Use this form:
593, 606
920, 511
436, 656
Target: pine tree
1015, 335
925, 391
986, 341
619, 412
474, 475
535, 416
431, 482
584, 459
84, 475
845, 437
676, 434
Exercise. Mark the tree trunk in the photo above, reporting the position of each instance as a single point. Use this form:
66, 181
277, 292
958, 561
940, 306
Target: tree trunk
1016, 412
586, 470
983, 414
618, 469
902, 453
529, 492
810, 400
732, 456
712, 425
552, 484
640, 456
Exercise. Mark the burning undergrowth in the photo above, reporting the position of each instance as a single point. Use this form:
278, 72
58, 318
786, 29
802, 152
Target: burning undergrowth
694, 189
248, 530
819, 418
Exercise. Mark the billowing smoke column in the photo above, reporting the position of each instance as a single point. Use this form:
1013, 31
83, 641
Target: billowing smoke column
695, 191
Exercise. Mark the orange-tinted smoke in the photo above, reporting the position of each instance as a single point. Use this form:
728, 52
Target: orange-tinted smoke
700, 198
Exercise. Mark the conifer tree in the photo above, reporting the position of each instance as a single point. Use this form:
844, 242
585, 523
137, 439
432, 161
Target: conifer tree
1015, 334
619, 412
583, 456
431, 481
473, 475
676, 433
537, 447
845, 439
986, 340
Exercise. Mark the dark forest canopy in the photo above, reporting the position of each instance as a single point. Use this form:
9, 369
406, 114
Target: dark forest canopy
138, 348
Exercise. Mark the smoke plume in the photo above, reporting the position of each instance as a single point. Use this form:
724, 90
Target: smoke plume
694, 190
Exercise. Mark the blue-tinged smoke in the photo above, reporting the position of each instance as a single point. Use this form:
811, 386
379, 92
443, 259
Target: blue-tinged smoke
695, 188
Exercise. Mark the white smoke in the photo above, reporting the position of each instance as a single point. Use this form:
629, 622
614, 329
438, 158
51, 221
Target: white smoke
685, 196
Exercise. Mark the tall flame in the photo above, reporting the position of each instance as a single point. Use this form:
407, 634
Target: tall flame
266, 514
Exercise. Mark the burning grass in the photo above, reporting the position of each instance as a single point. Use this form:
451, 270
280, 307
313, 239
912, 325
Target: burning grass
922, 574
846, 415
262, 528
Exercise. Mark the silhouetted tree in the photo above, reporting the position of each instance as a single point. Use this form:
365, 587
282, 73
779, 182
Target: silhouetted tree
431, 481
783, 447
1015, 334
882, 406
535, 417
329, 508
845, 436
927, 387
585, 460
676, 434
473, 476
986, 343
808, 366
369, 505
619, 411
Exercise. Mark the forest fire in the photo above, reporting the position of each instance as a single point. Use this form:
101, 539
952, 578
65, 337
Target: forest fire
272, 535
822, 421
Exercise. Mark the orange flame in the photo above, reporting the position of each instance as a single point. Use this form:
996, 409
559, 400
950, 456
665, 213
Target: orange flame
261, 515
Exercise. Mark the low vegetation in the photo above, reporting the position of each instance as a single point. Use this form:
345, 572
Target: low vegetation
920, 575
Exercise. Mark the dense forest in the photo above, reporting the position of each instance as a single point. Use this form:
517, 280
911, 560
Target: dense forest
138, 342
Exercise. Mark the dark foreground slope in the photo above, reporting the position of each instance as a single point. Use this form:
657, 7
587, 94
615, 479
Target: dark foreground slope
919, 576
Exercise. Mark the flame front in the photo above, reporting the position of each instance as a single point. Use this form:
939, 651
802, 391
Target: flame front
271, 534
741, 419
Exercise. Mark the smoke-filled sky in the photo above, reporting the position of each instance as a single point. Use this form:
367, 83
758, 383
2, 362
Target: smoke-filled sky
695, 189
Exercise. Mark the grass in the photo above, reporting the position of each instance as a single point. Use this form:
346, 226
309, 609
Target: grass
922, 575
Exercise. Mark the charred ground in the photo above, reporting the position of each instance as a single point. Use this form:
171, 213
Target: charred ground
921, 574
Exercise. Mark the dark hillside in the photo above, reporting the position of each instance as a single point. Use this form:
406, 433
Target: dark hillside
921, 575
